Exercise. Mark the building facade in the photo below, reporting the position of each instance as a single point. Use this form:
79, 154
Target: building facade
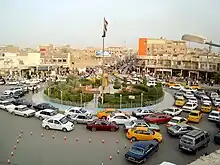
174, 58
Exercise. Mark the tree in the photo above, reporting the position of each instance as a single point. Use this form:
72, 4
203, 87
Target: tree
145, 80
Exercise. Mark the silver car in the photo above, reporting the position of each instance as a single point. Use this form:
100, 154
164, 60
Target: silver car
141, 123
80, 118
179, 130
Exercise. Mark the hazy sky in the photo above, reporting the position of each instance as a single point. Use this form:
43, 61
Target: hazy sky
80, 22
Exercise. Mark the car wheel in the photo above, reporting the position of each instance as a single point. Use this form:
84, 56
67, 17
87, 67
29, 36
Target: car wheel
40, 117
179, 136
75, 122
47, 127
25, 115
64, 130
13, 113
206, 145
114, 122
112, 129
156, 140
93, 129
133, 139
11, 94
144, 160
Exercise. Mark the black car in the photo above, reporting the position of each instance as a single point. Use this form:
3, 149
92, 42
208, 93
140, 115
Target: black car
22, 102
217, 138
43, 106
18, 94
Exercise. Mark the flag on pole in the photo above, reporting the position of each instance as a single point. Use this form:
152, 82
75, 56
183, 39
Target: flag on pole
105, 27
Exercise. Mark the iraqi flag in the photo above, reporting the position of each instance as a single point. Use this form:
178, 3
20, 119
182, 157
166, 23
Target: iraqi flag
105, 27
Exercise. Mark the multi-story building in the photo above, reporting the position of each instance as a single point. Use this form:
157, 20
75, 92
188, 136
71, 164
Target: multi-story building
173, 57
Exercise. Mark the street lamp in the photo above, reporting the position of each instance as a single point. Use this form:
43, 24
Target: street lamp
142, 99
120, 100
81, 99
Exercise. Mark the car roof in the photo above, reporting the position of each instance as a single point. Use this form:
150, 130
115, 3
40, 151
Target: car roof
166, 163
213, 111
119, 114
48, 110
141, 128
21, 106
206, 103
74, 108
57, 116
144, 144
177, 117
195, 111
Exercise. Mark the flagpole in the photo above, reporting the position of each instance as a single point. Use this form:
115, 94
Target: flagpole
103, 50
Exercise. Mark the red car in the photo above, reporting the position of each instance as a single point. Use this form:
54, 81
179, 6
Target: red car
102, 125
158, 118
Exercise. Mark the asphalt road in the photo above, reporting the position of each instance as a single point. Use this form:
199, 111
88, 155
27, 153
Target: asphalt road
37, 150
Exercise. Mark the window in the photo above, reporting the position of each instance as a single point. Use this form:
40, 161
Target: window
73, 111
50, 121
202, 137
120, 117
138, 132
98, 122
104, 123
197, 140
64, 60
81, 117
43, 113
59, 60
56, 122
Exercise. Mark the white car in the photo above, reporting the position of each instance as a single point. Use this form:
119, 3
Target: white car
81, 118
176, 86
173, 111
177, 120
12, 82
76, 110
120, 118
46, 113
6, 105
189, 106
193, 100
141, 123
179, 96
151, 83
140, 113
22, 110
188, 89
214, 116
12, 91
166, 163
216, 101
188, 95
206, 99
58, 122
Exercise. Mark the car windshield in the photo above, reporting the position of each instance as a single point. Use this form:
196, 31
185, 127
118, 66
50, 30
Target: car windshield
131, 123
206, 99
139, 110
24, 109
53, 113
217, 99
187, 140
83, 110
137, 150
64, 120
176, 127
169, 110
206, 105
174, 121
179, 94
7, 103
192, 99
188, 105
193, 114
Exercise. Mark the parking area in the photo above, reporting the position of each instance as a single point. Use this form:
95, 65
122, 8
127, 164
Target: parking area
34, 149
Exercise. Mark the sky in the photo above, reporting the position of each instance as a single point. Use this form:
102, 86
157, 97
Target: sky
79, 23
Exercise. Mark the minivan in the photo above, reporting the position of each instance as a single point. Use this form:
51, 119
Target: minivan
194, 140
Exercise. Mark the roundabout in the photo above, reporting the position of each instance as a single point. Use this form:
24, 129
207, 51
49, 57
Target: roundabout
52, 148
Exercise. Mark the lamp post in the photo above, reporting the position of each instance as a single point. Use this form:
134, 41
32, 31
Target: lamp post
120, 100
61, 96
142, 99
81, 99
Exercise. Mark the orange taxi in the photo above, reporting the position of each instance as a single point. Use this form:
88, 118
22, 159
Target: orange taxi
103, 114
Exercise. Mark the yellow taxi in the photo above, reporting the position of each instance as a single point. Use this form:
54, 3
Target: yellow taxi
180, 102
142, 134
105, 113
195, 86
206, 107
195, 116
170, 84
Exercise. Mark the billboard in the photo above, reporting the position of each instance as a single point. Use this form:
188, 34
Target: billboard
99, 53
142, 47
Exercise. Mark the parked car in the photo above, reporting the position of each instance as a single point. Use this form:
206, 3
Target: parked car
180, 102
177, 120
193, 100
18, 94
176, 86
140, 113
102, 125
141, 123
76, 110
22, 110
216, 101
58, 122
206, 107
22, 102
141, 151
46, 113
143, 134
206, 99
80, 118
217, 138
212, 95
106, 112
194, 140
172, 111
195, 116
43, 106
12, 82
11, 91
158, 118
178, 95
120, 118
187, 95
179, 130
214, 116
6, 105
189, 106
199, 94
